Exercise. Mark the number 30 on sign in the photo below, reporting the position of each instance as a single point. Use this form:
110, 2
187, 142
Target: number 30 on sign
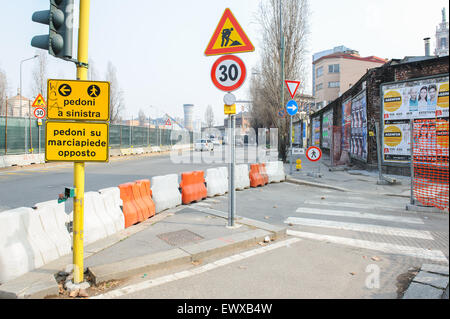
228, 73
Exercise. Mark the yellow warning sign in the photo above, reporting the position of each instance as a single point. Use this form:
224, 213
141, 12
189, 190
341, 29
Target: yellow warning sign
228, 37
229, 109
39, 101
78, 100
76, 142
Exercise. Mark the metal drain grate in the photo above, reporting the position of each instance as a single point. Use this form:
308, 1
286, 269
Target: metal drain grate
179, 237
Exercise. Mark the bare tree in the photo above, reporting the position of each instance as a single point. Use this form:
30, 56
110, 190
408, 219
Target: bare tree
209, 116
266, 83
142, 118
3, 92
92, 71
116, 99
40, 74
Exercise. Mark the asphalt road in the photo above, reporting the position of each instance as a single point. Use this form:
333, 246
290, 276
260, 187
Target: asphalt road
346, 245
26, 186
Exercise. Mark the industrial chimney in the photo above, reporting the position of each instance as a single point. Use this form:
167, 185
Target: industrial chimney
427, 46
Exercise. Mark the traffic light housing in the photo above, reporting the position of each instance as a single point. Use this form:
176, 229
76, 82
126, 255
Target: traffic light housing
59, 18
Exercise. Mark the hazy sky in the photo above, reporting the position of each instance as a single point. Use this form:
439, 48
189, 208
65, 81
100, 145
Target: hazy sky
158, 46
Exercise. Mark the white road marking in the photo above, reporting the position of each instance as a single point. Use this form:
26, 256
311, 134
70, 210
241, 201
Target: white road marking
345, 213
195, 271
416, 252
352, 205
384, 230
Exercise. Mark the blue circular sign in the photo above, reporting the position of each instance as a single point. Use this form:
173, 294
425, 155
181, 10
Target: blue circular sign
292, 107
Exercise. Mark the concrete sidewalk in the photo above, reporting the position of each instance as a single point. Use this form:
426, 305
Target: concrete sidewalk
345, 178
173, 237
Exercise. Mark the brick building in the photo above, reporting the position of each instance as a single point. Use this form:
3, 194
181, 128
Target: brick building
332, 127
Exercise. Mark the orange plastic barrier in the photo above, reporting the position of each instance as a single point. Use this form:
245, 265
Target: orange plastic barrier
193, 187
255, 177
130, 211
263, 173
146, 194
143, 212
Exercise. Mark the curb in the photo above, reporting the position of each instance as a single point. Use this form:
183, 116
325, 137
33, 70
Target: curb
302, 182
177, 256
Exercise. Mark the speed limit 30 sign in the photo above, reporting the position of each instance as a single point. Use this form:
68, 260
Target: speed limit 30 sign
39, 112
228, 73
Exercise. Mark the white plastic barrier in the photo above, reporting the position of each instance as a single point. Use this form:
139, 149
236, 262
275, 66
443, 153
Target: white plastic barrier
125, 151
165, 192
155, 149
138, 150
97, 224
54, 219
112, 201
224, 175
241, 178
275, 171
216, 183
16, 253
2, 162
42, 244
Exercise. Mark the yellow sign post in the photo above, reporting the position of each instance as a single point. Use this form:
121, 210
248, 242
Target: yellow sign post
76, 141
78, 100
229, 109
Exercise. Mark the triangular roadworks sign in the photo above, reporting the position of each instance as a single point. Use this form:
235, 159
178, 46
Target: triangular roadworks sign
228, 37
168, 122
292, 87
39, 101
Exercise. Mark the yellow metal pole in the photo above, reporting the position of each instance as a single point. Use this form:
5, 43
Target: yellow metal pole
78, 172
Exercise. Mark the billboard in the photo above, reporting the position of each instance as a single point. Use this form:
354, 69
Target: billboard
327, 127
358, 128
403, 101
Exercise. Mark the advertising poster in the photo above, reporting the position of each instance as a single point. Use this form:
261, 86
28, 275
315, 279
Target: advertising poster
346, 125
417, 99
316, 132
397, 140
327, 126
358, 131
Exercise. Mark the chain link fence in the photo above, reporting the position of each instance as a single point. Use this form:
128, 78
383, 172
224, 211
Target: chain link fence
25, 136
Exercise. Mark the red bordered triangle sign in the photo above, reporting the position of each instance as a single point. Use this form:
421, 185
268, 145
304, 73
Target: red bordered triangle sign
292, 86
168, 122
39, 101
228, 37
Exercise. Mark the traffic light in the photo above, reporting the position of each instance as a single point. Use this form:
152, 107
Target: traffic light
59, 18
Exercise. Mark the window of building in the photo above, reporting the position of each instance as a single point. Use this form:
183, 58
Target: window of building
334, 84
319, 86
333, 68
443, 43
319, 71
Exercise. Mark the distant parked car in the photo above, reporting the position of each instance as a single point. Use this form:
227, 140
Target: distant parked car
204, 145
216, 141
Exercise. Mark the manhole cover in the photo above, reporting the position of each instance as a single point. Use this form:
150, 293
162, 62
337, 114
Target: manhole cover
179, 237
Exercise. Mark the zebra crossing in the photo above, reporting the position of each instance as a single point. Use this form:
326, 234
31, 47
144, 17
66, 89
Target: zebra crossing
367, 223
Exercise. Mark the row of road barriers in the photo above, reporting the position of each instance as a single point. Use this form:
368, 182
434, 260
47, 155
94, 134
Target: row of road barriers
29, 159
33, 237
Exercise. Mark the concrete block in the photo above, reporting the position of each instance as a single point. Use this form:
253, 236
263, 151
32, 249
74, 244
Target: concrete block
420, 291
434, 280
438, 269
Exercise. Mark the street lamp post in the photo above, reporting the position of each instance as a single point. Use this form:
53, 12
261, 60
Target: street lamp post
25, 140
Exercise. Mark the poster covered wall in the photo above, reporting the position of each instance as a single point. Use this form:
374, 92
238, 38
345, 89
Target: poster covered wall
403, 101
346, 125
358, 138
327, 126
316, 132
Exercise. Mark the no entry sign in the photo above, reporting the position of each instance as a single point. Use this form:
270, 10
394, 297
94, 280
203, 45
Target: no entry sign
228, 73
313, 153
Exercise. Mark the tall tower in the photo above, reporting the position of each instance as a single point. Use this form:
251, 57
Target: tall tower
188, 116
442, 36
